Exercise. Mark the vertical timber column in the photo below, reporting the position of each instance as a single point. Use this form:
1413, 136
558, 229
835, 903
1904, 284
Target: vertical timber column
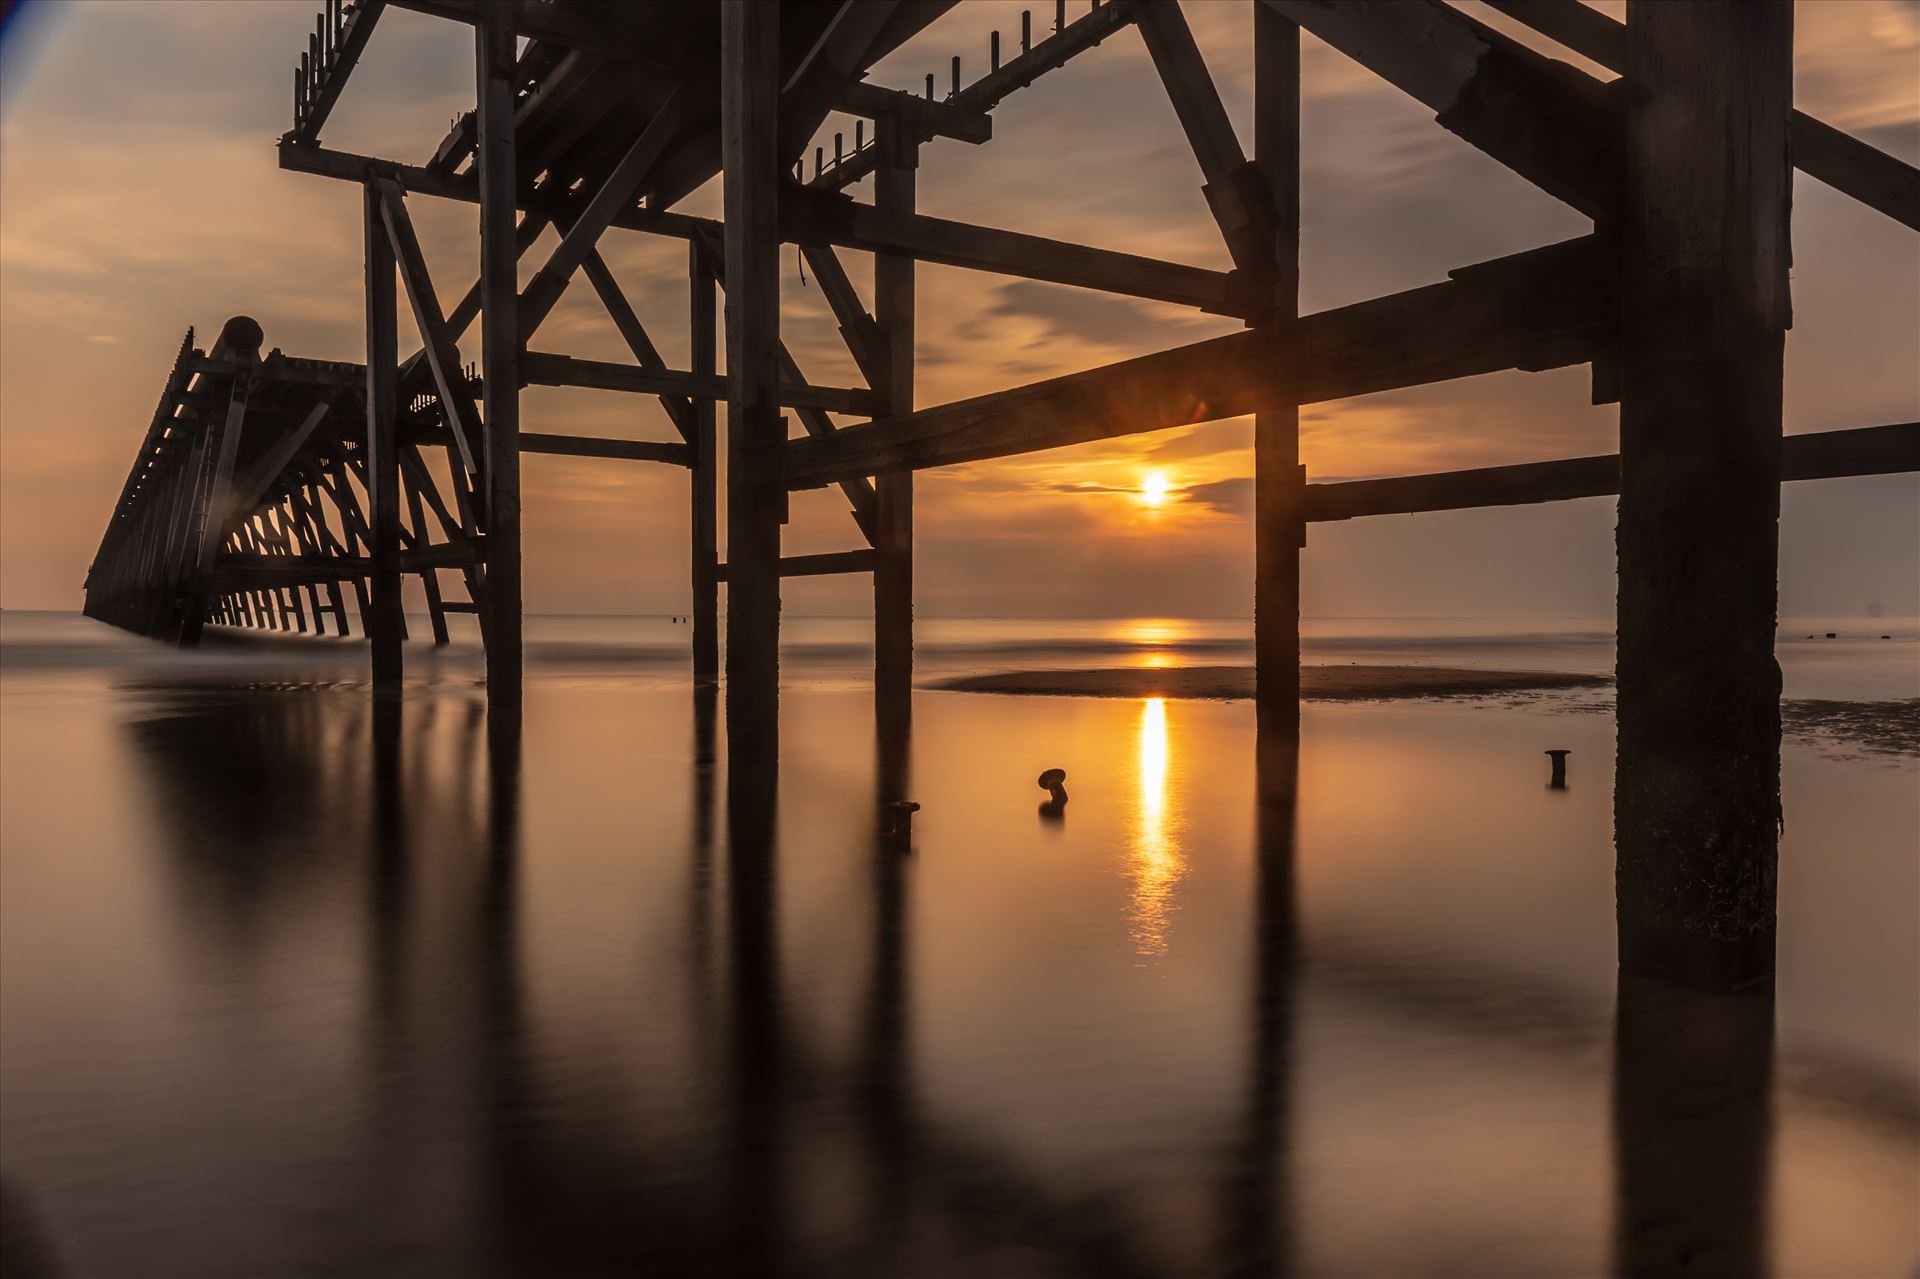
1279, 530
1706, 306
705, 473
756, 434
893, 307
383, 451
499, 357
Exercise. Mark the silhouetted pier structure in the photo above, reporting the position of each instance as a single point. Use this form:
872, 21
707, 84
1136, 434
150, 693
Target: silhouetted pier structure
612, 114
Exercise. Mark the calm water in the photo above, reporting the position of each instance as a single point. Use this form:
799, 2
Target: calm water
286, 990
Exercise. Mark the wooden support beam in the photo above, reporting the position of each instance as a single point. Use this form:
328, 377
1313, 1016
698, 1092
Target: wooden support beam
1279, 527
857, 488
924, 116
857, 328
616, 192
542, 368
1704, 265
702, 289
382, 472
1541, 309
448, 379
827, 562
816, 217
1842, 161
893, 294
1545, 120
1235, 190
756, 433
680, 410
1818, 455
499, 360
618, 450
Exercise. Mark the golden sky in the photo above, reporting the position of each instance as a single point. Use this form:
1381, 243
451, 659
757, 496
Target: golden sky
139, 194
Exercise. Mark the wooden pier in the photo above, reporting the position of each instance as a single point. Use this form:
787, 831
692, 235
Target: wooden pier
265, 482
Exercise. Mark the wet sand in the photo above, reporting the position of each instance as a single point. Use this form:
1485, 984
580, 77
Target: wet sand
1350, 683
1877, 727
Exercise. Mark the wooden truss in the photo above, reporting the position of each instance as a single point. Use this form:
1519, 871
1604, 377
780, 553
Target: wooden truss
612, 113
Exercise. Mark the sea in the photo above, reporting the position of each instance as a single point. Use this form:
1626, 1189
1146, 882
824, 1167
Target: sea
294, 984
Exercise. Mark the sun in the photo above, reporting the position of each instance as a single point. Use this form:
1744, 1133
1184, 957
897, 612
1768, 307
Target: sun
1153, 488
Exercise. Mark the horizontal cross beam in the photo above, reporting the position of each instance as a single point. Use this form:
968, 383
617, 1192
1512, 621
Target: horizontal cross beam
861, 561
1541, 309
541, 368
594, 446
1821, 455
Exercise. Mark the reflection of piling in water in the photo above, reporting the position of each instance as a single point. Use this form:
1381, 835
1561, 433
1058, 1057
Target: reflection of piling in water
1559, 779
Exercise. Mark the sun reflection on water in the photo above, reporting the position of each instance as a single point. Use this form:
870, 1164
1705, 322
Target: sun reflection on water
1158, 863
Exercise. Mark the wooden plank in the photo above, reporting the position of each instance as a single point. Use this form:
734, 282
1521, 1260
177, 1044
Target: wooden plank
382, 470
1279, 527
1541, 309
925, 116
816, 217
611, 30
1705, 244
749, 48
1235, 190
1545, 120
499, 361
860, 561
620, 450
1842, 161
544, 368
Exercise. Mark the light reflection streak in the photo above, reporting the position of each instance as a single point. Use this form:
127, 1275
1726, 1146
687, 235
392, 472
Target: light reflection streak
1158, 863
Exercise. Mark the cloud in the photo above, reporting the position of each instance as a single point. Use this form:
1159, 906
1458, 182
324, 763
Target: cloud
1229, 497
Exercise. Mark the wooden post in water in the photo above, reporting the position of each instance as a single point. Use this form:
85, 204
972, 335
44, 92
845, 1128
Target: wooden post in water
705, 472
893, 312
1279, 483
494, 42
1704, 255
756, 433
382, 475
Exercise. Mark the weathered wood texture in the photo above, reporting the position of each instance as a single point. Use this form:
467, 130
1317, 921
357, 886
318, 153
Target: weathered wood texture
1704, 259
